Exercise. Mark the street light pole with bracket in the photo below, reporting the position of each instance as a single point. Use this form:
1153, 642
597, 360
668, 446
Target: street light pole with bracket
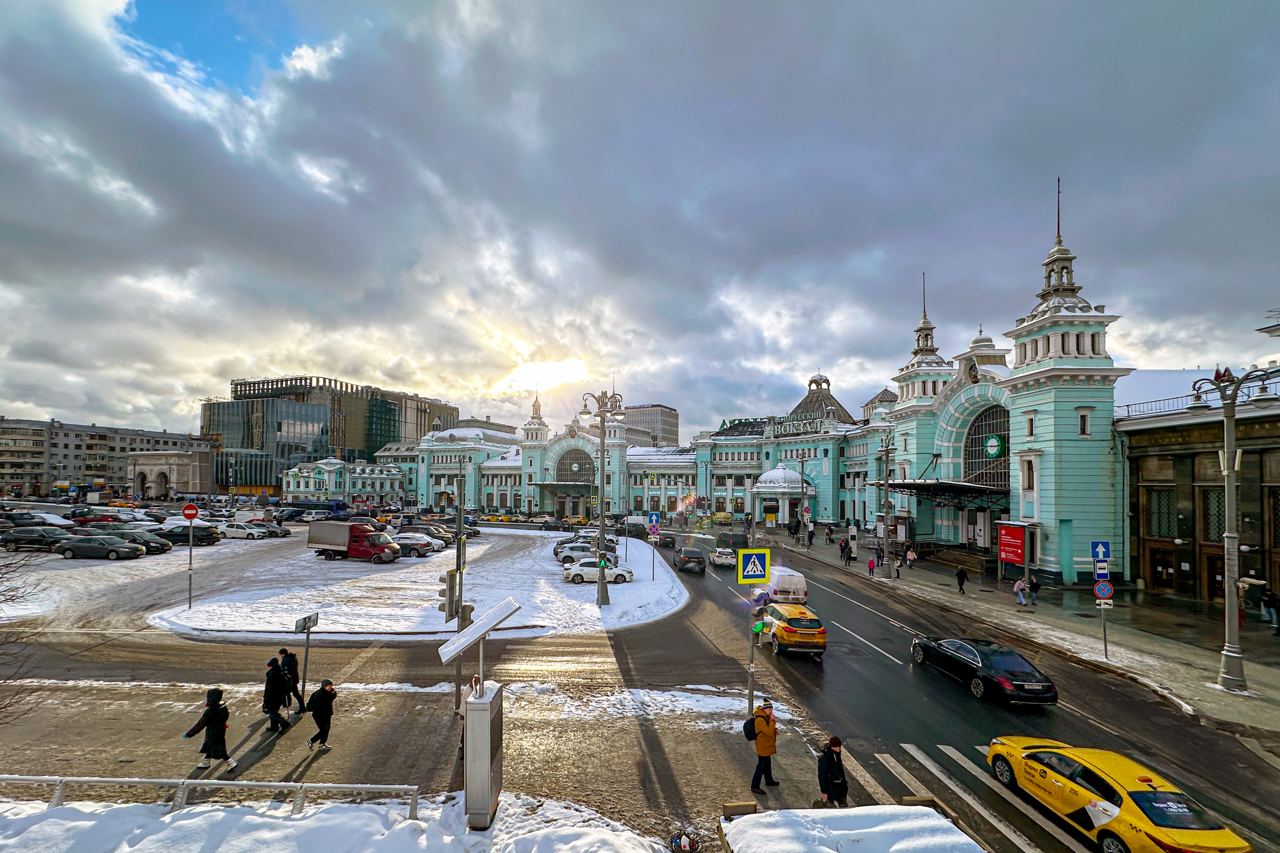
608, 405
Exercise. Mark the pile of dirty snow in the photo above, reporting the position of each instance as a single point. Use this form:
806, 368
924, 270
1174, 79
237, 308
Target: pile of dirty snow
866, 829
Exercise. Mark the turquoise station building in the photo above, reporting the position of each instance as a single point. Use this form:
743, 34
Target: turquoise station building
1022, 435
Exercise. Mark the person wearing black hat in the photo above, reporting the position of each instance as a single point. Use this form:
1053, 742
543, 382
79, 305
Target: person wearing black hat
214, 723
321, 707
274, 691
289, 664
766, 742
831, 781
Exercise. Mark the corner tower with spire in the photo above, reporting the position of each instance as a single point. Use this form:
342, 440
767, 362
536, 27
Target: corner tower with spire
1065, 474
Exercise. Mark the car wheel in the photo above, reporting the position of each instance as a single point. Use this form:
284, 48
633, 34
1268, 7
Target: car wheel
917, 653
11, 547
1003, 771
818, 658
777, 647
1109, 843
112, 555
67, 554
977, 687
328, 555
620, 579
578, 579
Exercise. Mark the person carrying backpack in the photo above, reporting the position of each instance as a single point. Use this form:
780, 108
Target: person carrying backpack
762, 729
289, 666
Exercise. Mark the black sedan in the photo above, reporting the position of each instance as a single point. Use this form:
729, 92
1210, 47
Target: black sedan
554, 525
178, 535
153, 543
692, 560
111, 547
33, 538
988, 668
666, 540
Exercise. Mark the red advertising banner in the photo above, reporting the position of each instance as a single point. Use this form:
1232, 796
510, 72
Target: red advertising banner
1012, 540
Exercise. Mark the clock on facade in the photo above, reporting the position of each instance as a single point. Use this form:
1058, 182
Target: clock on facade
994, 446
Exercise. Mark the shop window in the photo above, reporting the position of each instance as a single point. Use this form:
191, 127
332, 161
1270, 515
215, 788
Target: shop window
1213, 514
720, 504
637, 503
1162, 513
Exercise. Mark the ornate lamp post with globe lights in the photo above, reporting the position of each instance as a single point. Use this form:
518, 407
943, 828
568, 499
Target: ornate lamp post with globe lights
607, 406
1228, 387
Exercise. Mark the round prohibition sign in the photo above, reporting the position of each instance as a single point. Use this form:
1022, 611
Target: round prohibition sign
1103, 589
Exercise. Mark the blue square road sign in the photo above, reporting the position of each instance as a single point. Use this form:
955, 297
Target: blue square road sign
753, 565
1100, 550
655, 518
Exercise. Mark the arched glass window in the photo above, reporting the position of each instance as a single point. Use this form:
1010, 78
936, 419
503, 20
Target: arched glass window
575, 466
986, 448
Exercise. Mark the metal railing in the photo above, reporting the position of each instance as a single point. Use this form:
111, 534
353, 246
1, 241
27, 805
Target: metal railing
1177, 404
181, 787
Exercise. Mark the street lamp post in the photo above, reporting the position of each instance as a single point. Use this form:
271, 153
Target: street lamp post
607, 406
1228, 388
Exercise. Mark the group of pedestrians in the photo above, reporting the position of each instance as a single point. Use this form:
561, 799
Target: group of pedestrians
280, 689
762, 730
1024, 588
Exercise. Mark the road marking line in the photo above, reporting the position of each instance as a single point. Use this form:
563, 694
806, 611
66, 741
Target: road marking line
357, 661
1066, 840
1083, 714
888, 619
1020, 841
982, 749
865, 779
913, 784
869, 643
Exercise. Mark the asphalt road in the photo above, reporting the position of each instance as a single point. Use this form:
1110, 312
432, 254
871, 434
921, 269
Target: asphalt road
907, 729
870, 693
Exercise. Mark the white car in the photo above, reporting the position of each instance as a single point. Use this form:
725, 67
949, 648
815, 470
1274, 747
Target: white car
416, 544
54, 520
147, 526
584, 571
579, 551
539, 519
314, 515
236, 530
725, 558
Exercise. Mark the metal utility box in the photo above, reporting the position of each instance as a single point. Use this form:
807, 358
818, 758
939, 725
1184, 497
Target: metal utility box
482, 767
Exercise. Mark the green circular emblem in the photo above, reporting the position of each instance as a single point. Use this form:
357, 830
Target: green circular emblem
994, 446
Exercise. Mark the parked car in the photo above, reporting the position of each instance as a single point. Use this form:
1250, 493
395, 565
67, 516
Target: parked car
236, 530
274, 531
104, 526
111, 547
577, 520
552, 524
433, 530
24, 519
369, 520
990, 669
724, 558
578, 550
288, 514
691, 559
794, 627
154, 544
179, 534
416, 544
586, 570
1119, 804
311, 515
33, 538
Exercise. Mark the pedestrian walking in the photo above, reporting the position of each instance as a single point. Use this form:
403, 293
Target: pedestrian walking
289, 666
843, 546
1271, 608
911, 556
848, 556
830, 535
962, 578
274, 691
831, 779
321, 707
897, 567
810, 538
871, 567
1034, 588
766, 742
214, 722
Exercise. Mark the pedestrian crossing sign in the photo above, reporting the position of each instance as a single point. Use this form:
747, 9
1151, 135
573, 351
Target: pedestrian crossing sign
753, 565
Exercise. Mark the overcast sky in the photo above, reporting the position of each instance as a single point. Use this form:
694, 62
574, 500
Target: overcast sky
711, 200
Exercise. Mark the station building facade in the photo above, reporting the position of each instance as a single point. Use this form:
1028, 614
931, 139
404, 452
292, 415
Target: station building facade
1027, 435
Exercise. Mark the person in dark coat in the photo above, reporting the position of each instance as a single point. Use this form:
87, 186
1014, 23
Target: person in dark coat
831, 781
214, 723
289, 664
274, 692
321, 707
962, 577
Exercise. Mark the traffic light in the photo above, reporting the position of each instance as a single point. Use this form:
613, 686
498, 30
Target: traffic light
465, 611
604, 562
449, 592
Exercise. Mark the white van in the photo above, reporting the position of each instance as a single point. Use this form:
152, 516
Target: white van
314, 515
786, 586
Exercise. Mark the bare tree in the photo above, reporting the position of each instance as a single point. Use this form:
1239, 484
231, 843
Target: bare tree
16, 587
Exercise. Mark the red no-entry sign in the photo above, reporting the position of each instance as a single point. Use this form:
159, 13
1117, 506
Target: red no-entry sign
190, 511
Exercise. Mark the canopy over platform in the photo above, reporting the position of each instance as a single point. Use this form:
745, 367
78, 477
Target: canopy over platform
956, 493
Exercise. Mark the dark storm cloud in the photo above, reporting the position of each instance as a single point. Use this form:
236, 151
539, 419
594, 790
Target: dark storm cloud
714, 199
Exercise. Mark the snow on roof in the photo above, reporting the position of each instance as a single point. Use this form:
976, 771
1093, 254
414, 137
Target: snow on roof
458, 434
660, 455
510, 459
869, 829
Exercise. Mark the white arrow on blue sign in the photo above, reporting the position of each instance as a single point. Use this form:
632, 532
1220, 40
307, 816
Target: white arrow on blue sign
655, 518
1100, 550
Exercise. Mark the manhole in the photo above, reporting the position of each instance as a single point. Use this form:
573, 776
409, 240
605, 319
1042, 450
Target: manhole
1087, 615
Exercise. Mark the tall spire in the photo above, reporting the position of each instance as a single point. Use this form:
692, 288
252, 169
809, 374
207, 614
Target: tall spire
924, 331
1058, 239
924, 298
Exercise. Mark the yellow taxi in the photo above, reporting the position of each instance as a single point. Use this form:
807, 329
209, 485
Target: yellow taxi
123, 504
722, 518
794, 628
1118, 803
577, 520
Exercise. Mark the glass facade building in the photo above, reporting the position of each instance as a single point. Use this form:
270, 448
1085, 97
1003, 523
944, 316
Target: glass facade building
256, 441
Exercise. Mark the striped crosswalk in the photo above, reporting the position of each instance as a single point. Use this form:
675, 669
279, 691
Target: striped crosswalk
1002, 819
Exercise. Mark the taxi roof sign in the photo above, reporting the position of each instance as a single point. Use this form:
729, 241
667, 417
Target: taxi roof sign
753, 565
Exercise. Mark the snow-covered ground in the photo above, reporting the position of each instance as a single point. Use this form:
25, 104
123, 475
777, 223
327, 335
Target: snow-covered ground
523, 824
866, 829
363, 599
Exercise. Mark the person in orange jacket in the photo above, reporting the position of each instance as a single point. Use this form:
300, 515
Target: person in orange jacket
766, 745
